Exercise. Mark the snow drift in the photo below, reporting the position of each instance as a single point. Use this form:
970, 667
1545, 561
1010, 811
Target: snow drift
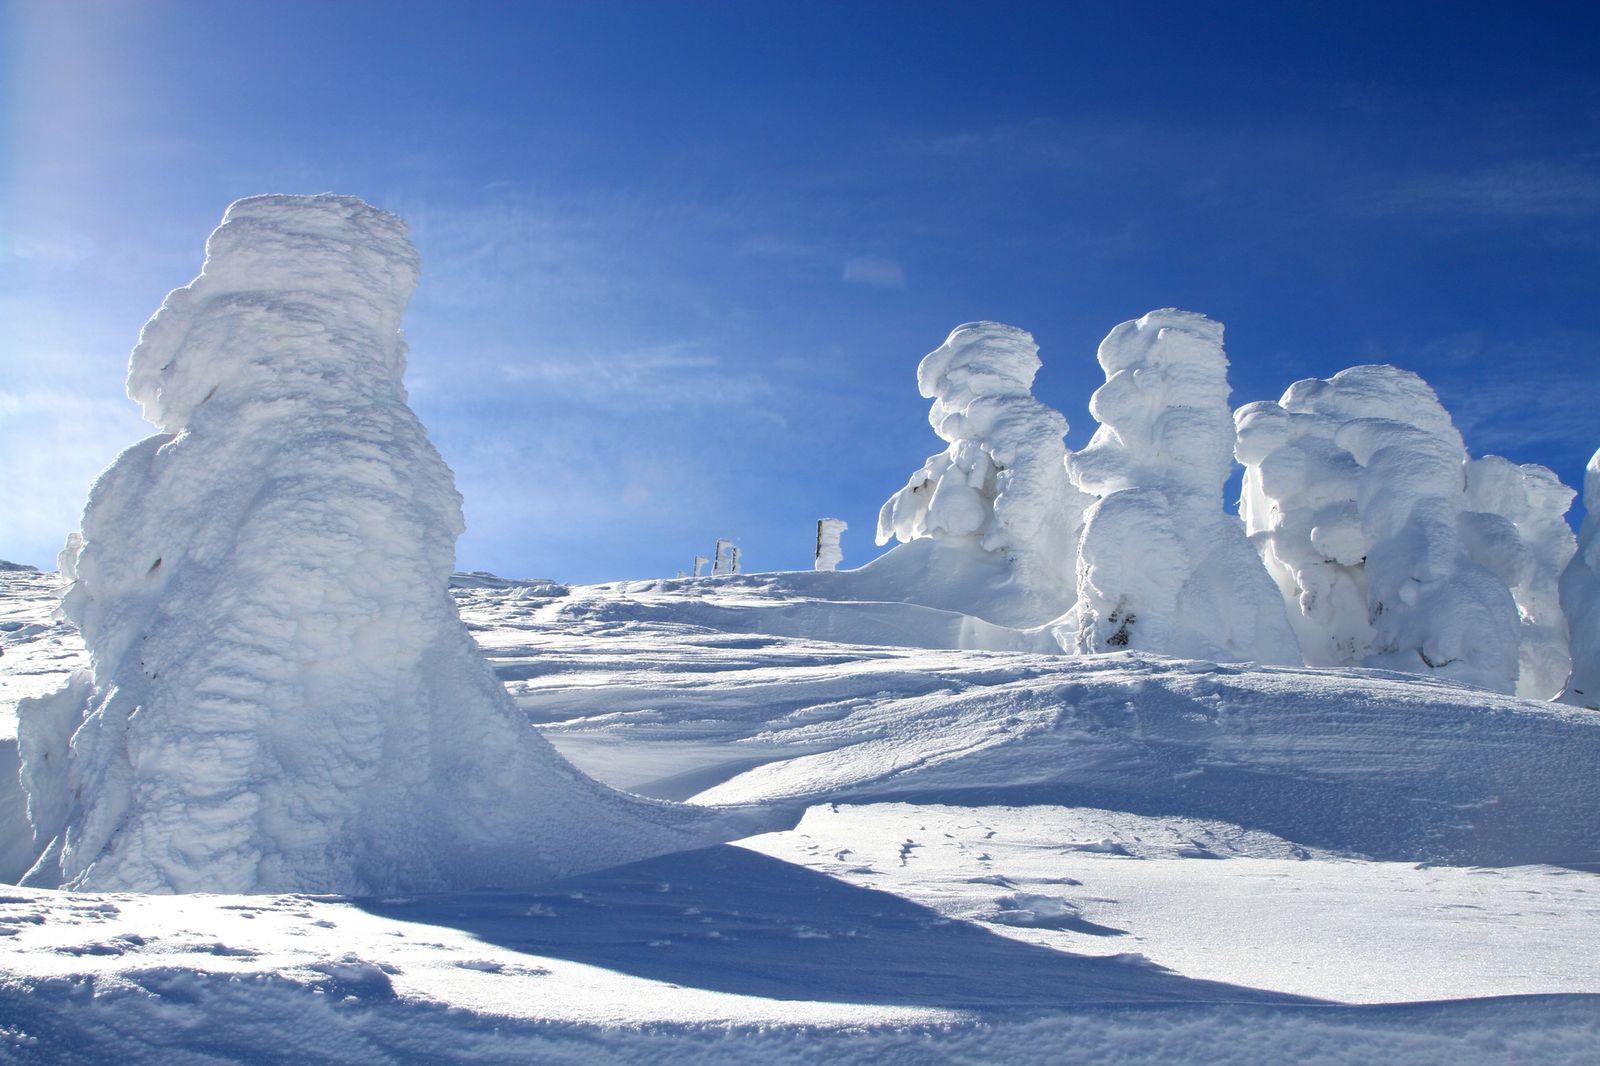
1356, 488
282, 695
997, 498
1161, 566
1580, 598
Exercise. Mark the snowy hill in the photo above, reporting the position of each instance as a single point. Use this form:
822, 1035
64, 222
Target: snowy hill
975, 854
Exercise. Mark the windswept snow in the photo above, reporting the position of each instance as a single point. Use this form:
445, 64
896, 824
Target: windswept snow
282, 696
996, 500
1162, 568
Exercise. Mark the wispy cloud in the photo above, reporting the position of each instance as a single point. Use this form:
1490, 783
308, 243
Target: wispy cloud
1515, 192
875, 270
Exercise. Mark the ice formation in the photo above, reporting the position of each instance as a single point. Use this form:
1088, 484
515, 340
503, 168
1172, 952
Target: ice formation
1162, 567
999, 488
282, 695
1355, 489
1516, 526
829, 554
1580, 598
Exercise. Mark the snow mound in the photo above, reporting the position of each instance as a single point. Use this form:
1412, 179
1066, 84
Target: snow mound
1580, 598
1162, 567
282, 696
999, 488
1356, 488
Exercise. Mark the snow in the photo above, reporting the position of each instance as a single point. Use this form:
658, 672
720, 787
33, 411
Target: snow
829, 553
1356, 487
1516, 526
1580, 598
1119, 858
826, 816
997, 499
1162, 568
282, 697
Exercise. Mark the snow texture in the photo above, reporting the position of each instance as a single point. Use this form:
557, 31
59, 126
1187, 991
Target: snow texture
999, 488
1580, 598
829, 553
1162, 567
1355, 488
281, 694
1516, 526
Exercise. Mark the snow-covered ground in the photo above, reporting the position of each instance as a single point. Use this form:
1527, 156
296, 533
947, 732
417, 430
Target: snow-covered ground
976, 856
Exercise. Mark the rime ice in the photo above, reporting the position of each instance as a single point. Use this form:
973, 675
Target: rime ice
1356, 488
1161, 566
1580, 598
999, 488
282, 695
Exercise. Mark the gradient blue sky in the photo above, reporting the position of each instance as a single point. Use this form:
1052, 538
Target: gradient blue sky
680, 260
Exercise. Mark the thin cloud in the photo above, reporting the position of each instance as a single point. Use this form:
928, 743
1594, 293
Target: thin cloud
1526, 190
875, 270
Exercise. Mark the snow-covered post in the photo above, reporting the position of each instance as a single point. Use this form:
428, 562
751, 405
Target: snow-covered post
1161, 566
699, 565
719, 559
733, 559
1000, 486
1580, 598
282, 695
1355, 487
829, 554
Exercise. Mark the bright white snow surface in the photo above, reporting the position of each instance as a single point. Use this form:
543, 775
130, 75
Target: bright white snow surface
995, 856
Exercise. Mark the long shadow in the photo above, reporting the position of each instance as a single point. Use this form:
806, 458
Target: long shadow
730, 920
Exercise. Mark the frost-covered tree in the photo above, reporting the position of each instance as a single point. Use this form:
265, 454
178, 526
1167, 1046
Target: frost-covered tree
1516, 526
1162, 567
999, 488
1355, 491
1580, 598
281, 694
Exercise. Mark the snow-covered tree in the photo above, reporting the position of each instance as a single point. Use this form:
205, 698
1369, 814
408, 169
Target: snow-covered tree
1162, 567
282, 696
1516, 526
1580, 598
1355, 489
999, 488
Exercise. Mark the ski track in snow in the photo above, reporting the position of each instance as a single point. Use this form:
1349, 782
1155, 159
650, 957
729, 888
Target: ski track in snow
998, 856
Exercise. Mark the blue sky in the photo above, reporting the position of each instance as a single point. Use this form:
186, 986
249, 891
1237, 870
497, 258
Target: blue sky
680, 260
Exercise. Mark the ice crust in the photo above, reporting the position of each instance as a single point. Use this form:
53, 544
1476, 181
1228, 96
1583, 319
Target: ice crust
999, 488
1356, 491
1580, 598
281, 695
1161, 566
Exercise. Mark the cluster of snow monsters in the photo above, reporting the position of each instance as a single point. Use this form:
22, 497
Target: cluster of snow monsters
1367, 536
282, 696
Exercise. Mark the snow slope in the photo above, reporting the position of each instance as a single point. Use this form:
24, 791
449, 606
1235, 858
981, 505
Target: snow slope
998, 856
